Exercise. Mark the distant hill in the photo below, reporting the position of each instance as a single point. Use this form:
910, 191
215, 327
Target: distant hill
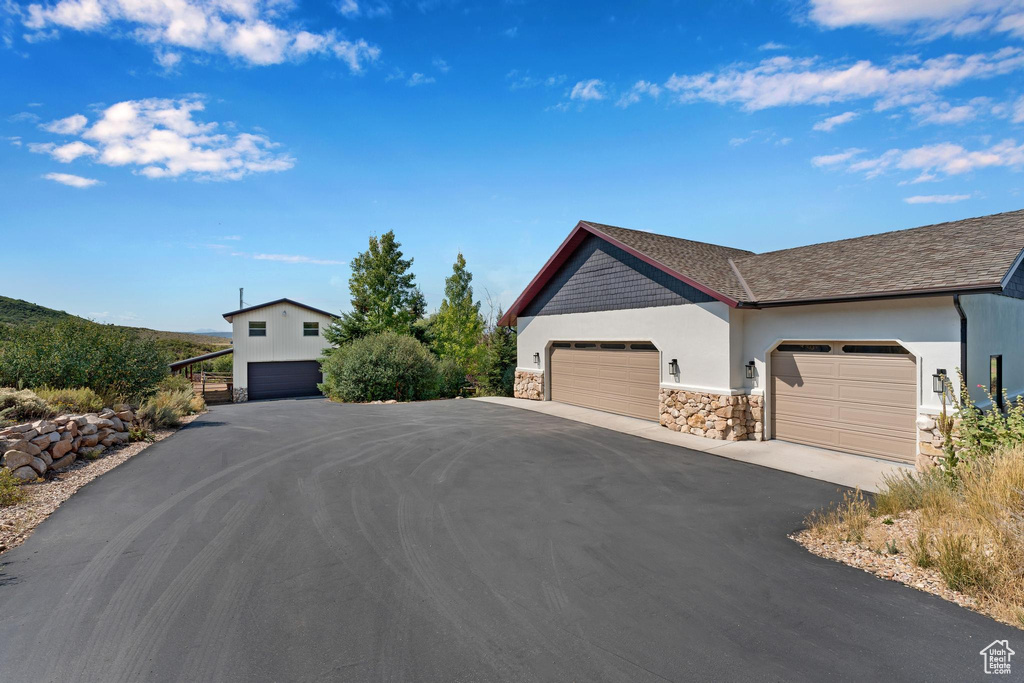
177, 345
24, 312
213, 333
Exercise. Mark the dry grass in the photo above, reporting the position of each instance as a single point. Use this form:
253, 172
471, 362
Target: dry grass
970, 531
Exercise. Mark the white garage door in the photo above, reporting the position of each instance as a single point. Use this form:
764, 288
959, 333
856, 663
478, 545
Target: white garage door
849, 396
619, 377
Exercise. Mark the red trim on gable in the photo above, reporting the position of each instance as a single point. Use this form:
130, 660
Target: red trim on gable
565, 250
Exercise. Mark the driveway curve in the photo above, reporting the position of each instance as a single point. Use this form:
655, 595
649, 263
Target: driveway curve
299, 540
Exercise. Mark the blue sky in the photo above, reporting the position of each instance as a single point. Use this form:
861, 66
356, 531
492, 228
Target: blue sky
159, 154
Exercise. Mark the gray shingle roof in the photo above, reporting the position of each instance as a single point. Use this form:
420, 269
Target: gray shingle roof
706, 263
974, 253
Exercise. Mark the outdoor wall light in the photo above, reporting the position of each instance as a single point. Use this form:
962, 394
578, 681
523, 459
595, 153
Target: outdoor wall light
536, 358
749, 369
673, 367
939, 381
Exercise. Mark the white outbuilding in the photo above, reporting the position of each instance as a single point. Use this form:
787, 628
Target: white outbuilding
278, 346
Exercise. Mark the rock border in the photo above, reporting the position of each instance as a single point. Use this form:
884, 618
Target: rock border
17, 522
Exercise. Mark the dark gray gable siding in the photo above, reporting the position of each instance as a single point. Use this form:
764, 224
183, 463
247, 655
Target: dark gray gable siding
601, 277
1015, 285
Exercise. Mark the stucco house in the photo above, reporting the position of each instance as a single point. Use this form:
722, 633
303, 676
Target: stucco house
277, 347
835, 345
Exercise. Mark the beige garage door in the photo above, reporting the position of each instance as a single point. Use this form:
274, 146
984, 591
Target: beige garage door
849, 396
618, 377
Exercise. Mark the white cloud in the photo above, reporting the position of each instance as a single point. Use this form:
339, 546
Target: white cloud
738, 142
772, 45
838, 158
294, 258
831, 122
945, 113
785, 81
63, 153
944, 158
252, 31
929, 18
72, 180
14, 140
419, 79
936, 198
521, 81
1018, 111
69, 126
639, 89
441, 65
592, 89
161, 139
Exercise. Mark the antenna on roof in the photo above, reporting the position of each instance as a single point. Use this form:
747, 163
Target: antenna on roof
241, 304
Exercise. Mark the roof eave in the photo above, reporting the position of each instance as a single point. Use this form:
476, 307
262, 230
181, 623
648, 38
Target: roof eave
985, 288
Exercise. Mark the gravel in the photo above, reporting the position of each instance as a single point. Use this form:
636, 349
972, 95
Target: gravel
871, 556
17, 522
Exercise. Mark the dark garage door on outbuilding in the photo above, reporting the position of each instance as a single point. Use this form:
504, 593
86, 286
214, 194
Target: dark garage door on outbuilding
283, 379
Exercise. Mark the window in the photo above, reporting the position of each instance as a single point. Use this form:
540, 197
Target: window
257, 328
643, 347
805, 348
585, 345
310, 329
561, 345
995, 380
874, 348
613, 346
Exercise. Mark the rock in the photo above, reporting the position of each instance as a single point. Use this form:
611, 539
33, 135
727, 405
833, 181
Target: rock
25, 473
80, 420
72, 428
100, 422
929, 449
88, 441
26, 446
91, 452
75, 443
117, 424
41, 441
60, 449
66, 461
44, 426
67, 436
89, 428
697, 421
12, 460
29, 435
55, 436
925, 423
126, 416
46, 458
20, 429
106, 413
390, 401
38, 464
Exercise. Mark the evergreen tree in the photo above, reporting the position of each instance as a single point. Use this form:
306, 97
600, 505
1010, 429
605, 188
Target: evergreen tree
458, 325
384, 294
499, 366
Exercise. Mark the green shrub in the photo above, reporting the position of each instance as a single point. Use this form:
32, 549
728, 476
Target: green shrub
451, 378
175, 383
21, 406
380, 367
82, 400
115, 362
498, 362
165, 408
11, 492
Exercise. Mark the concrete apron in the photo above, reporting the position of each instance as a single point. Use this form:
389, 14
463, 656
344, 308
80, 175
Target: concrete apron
835, 467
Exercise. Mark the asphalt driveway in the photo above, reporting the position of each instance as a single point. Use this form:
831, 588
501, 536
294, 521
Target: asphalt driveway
299, 540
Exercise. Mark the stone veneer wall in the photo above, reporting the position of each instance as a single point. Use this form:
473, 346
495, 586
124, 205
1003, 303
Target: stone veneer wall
31, 449
529, 384
713, 416
240, 394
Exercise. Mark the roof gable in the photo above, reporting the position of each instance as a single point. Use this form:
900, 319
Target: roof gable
628, 241
230, 314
